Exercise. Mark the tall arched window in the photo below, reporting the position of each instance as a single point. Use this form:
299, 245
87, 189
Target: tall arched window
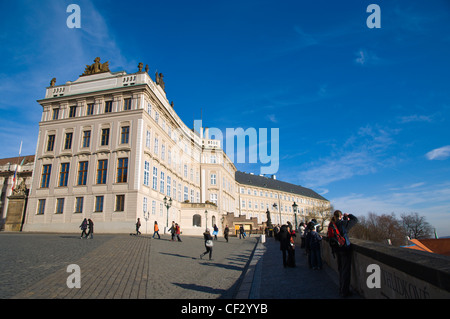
197, 220
213, 221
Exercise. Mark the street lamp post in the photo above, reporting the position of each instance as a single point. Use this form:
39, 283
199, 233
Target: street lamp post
294, 207
168, 204
206, 220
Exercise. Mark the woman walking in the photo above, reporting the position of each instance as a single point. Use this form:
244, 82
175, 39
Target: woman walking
83, 227
156, 230
208, 244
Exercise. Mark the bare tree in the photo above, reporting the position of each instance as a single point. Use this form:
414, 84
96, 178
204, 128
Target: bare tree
416, 226
379, 229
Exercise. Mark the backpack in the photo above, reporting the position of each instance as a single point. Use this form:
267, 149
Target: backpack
336, 239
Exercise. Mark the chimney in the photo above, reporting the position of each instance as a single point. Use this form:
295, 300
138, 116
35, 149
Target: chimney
274, 177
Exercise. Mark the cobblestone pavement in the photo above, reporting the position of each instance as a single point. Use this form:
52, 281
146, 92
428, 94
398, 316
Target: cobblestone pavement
120, 267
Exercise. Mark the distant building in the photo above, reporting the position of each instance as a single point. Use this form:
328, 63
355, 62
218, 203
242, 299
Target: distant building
112, 148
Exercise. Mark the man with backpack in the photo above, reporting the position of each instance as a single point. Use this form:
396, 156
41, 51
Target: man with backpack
340, 244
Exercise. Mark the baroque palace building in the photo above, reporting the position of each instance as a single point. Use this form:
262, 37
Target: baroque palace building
112, 148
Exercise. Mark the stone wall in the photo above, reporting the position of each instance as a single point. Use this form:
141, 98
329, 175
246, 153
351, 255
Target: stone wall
403, 273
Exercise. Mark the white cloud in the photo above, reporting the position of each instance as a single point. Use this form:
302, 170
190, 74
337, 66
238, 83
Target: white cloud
415, 118
361, 154
441, 153
364, 57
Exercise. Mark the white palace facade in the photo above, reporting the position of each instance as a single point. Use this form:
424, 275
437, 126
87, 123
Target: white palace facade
112, 148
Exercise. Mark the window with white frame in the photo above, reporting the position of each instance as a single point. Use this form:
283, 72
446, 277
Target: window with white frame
146, 173
155, 178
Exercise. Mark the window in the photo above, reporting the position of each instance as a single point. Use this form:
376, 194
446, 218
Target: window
86, 138
45, 179
153, 207
163, 151
72, 111
64, 174
122, 170
147, 139
161, 183
68, 141
186, 193
50, 143
213, 179
156, 116
161, 211
41, 207
79, 204
90, 109
192, 196
120, 203
213, 159
82, 173
146, 173
108, 106
125, 135
156, 146
169, 185
144, 205
213, 198
59, 205
102, 168
105, 137
197, 220
99, 204
149, 109
55, 114
155, 178
127, 104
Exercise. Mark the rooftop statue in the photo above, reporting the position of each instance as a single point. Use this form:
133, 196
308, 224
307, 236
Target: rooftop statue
97, 67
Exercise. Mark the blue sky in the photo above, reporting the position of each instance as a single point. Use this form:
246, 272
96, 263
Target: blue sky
363, 114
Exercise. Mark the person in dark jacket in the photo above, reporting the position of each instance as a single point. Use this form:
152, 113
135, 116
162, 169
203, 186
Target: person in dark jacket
207, 236
284, 236
91, 229
344, 222
83, 227
313, 240
226, 232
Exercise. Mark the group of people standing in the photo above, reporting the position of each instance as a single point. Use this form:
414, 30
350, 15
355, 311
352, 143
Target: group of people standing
311, 241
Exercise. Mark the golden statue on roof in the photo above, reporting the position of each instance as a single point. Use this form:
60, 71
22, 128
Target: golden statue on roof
97, 67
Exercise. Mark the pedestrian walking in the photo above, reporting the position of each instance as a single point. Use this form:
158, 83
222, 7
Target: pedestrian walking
172, 231
215, 232
83, 226
343, 223
313, 241
208, 244
241, 232
91, 229
178, 231
226, 232
156, 230
138, 225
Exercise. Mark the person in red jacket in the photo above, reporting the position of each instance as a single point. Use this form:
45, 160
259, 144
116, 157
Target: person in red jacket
177, 231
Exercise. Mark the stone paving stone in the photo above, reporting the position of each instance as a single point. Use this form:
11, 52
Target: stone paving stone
122, 267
